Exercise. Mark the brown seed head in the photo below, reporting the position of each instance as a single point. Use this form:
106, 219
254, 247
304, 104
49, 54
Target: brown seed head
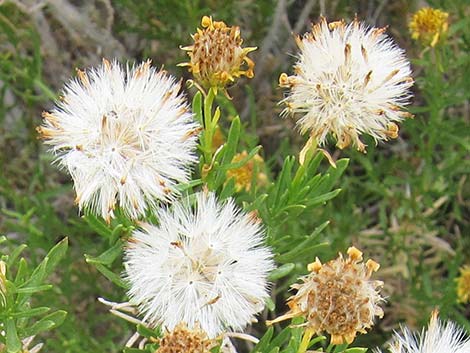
217, 57
338, 297
182, 339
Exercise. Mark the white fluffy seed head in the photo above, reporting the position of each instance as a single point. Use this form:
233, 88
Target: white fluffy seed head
203, 265
126, 136
438, 338
349, 80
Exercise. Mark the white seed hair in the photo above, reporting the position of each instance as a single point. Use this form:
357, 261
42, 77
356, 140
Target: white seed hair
126, 136
203, 264
349, 79
439, 337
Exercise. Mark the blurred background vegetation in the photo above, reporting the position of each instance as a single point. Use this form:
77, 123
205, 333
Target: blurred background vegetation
406, 203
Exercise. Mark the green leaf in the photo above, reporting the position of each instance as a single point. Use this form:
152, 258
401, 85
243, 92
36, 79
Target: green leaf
189, 185
14, 254
334, 174
323, 198
340, 348
308, 251
281, 272
264, 341
108, 257
208, 101
31, 312
21, 273
197, 107
146, 332
47, 322
282, 337
56, 254
98, 225
12, 340
232, 141
270, 304
47, 265
111, 276
356, 350
241, 163
33, 289
293, 253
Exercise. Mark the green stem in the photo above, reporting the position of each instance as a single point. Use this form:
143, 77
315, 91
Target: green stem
45, 89
208, 126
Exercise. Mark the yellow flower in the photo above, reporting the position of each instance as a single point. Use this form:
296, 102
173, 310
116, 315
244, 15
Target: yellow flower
216, 57
338, 297
244, 175
463, 285
181, 339
428, 25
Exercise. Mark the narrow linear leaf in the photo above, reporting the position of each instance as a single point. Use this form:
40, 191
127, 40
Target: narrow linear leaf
12, 340
281, 272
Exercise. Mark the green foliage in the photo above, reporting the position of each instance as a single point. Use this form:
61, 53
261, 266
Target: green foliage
404, 203
18, 318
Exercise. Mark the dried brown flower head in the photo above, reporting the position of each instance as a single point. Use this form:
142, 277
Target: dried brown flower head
244, 175
217, 57
182, 339
338, 297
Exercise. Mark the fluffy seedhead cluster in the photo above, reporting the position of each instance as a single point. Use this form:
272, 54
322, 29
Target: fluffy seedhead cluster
338, 297
428, 25
126, 136
438, 338
203, 265
217, 57
349, 80
182, 339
